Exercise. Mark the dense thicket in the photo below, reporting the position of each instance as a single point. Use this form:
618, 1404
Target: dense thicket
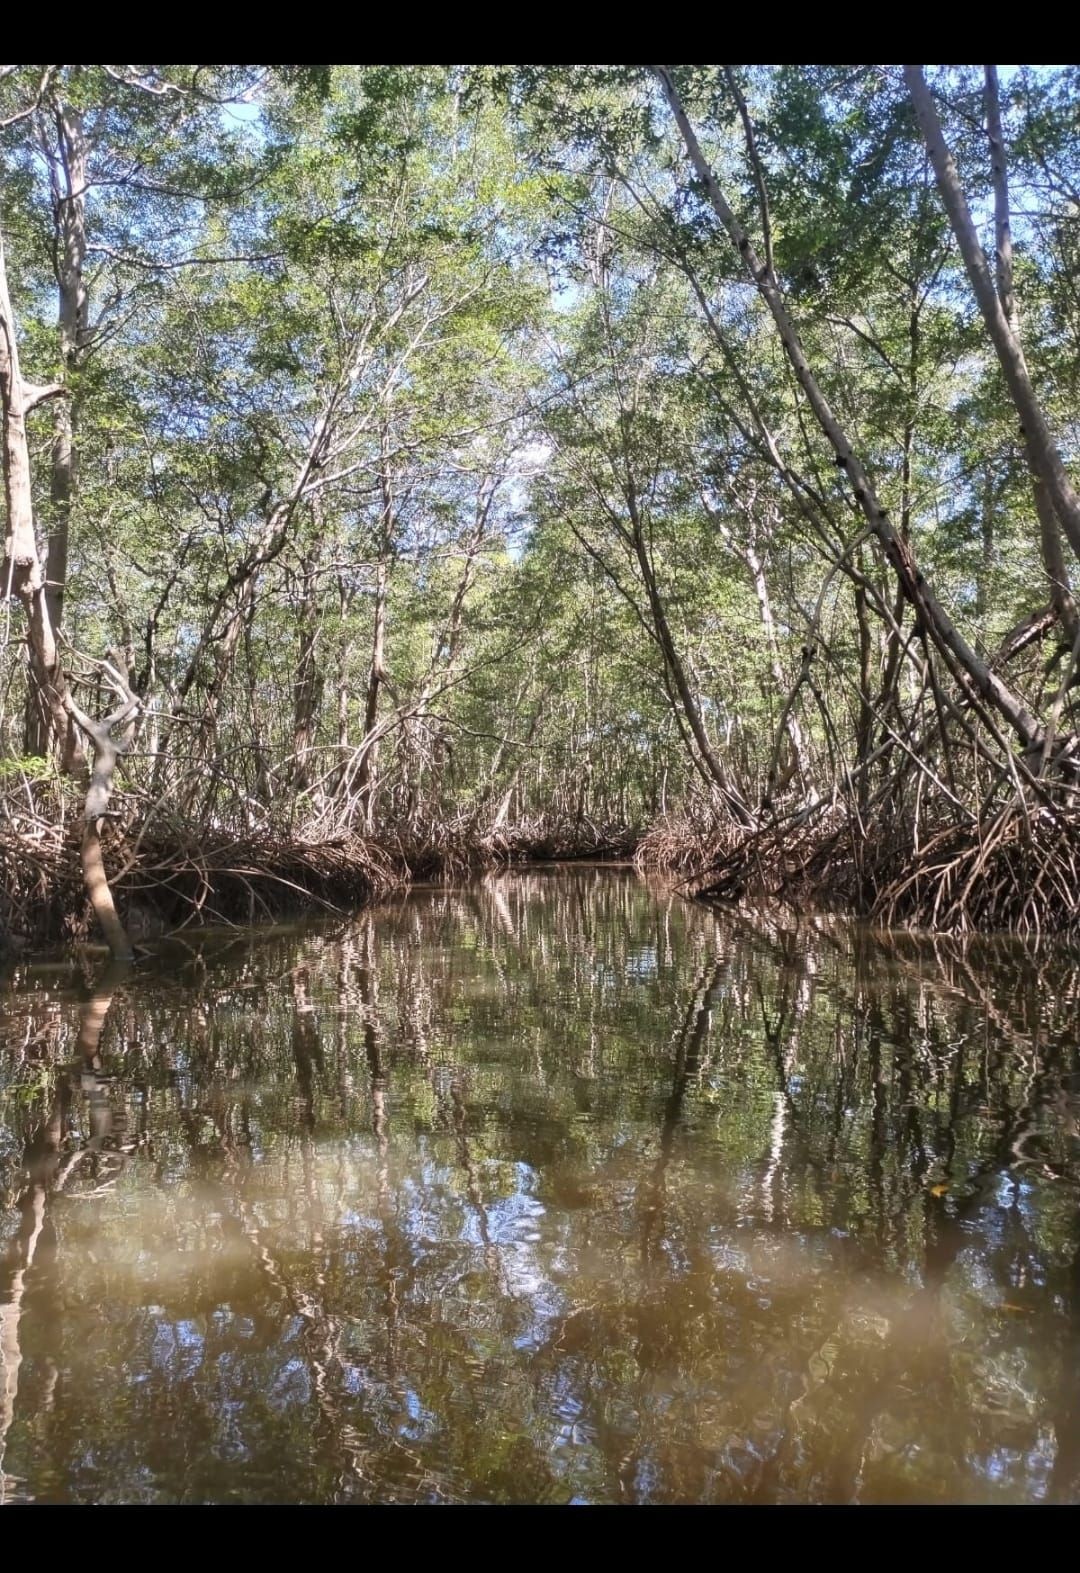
440, 459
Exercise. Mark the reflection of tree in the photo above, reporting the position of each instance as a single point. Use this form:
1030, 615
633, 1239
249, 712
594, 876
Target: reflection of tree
47, 1172
42, 1163
690, 1046
1064, 1484
549, 1187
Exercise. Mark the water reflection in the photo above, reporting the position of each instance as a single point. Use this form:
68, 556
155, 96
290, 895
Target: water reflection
551, 1188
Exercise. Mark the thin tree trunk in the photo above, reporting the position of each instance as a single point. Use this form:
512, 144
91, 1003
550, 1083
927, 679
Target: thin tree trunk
943, 632
235, 597
768, 623
308, 683
679, 682
864, 728
367, 773
1049, 530
1044, 459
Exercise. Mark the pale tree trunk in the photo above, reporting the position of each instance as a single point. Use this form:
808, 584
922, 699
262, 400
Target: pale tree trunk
755, 566
714, 766
502, 813
344, 648
367, 774
1053, 555
67, 162
958, 654
327, 444
1003, 249
986, 542
685, 711
685, 707
485, 796
894, 640
446, 645
23, 575
864, 726
110, 737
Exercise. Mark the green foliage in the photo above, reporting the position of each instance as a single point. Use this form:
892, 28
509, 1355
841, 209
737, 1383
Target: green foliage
507, 307
31, 768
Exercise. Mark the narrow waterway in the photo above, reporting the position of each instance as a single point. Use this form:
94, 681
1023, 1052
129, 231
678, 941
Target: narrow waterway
551, 1188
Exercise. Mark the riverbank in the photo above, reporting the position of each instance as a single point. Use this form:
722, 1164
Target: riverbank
1016, 871
174, 878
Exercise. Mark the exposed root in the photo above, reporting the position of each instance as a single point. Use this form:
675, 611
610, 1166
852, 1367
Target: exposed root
171, 880
559, 840
687, 848
1018, 871
166, 879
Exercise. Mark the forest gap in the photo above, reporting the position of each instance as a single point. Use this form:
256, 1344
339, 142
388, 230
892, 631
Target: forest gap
552, 1187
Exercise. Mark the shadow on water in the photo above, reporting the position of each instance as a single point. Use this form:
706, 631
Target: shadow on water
548, 1188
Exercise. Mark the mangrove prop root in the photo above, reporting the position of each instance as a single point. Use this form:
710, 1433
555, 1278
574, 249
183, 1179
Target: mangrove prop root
162, 880
1018, 870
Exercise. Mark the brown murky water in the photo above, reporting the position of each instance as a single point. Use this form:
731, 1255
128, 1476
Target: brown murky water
548, 1189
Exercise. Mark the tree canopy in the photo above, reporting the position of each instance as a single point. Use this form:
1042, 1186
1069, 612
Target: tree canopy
672, 455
